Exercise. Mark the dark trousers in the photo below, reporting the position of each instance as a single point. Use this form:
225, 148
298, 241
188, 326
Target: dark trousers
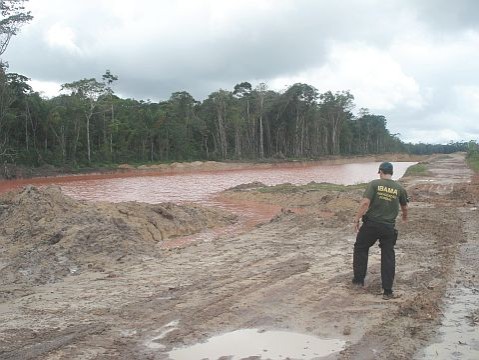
367, 236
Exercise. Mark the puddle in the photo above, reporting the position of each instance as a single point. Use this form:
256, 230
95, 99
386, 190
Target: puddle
273, 345
458, 334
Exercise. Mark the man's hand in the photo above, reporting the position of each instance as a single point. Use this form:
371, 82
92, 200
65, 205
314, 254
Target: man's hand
363, 207
356, 225
404, 210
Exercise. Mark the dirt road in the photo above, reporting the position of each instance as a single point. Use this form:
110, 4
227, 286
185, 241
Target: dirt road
292, 273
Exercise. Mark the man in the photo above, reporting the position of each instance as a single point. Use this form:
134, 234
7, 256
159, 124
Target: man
378, 210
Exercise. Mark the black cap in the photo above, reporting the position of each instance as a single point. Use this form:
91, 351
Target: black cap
386, 168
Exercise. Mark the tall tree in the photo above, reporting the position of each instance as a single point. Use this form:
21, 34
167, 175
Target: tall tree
260, 91
13, 16
335, 109
88, 91
64, 120
183, 123
7, 98
108, 79
244, 124
19, 88
221, 100
295, 107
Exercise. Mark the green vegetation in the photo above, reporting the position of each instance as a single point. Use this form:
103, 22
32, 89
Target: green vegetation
89, 124
13, 17
290, 188
417, 170
473, 162
428, 149
473, 156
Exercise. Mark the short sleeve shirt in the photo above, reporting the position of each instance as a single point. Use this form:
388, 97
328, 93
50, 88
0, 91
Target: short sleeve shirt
385, 195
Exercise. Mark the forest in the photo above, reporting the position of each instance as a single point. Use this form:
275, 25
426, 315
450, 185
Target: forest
89, 125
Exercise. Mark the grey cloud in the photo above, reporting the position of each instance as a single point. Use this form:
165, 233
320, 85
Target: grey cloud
295, 41
190, 56
446, 15
272, 47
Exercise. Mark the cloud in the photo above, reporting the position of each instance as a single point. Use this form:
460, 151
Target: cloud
47, 89
441, 136
375, 79
408, 60
226, 40
445, 16
62, 37
467, 97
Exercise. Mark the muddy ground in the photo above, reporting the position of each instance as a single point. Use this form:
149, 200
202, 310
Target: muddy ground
96, 281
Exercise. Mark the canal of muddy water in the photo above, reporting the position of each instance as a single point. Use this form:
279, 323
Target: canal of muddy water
200, 186
203, 186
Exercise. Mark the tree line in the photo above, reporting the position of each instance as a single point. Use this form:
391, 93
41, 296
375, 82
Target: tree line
89, 124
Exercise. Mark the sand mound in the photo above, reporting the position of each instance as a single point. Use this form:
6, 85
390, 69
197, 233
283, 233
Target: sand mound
47, 235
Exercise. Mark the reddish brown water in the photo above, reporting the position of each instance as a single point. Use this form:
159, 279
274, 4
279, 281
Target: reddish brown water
199, 186
202, 186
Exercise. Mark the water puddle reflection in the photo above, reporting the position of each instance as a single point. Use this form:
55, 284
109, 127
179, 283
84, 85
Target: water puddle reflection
459, 333
272, 345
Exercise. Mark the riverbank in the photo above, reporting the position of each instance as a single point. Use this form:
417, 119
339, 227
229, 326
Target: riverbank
289, 273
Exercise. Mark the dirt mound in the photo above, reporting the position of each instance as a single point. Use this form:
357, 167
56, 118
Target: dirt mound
335, 204
251, 185
47, 235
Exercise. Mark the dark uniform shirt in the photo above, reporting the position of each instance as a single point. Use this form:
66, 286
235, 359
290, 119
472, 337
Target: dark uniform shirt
385, 196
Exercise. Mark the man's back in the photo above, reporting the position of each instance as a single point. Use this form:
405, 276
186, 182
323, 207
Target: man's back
385, 195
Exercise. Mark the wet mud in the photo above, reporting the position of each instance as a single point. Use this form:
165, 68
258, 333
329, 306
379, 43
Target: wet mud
290, 272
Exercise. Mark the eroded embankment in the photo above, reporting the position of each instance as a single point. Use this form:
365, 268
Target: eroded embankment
46, 235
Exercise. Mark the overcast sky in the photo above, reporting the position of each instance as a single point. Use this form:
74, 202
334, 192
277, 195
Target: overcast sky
414, 61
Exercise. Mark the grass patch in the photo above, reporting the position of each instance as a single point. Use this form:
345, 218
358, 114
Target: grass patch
288, 188
417, 170
473, 161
